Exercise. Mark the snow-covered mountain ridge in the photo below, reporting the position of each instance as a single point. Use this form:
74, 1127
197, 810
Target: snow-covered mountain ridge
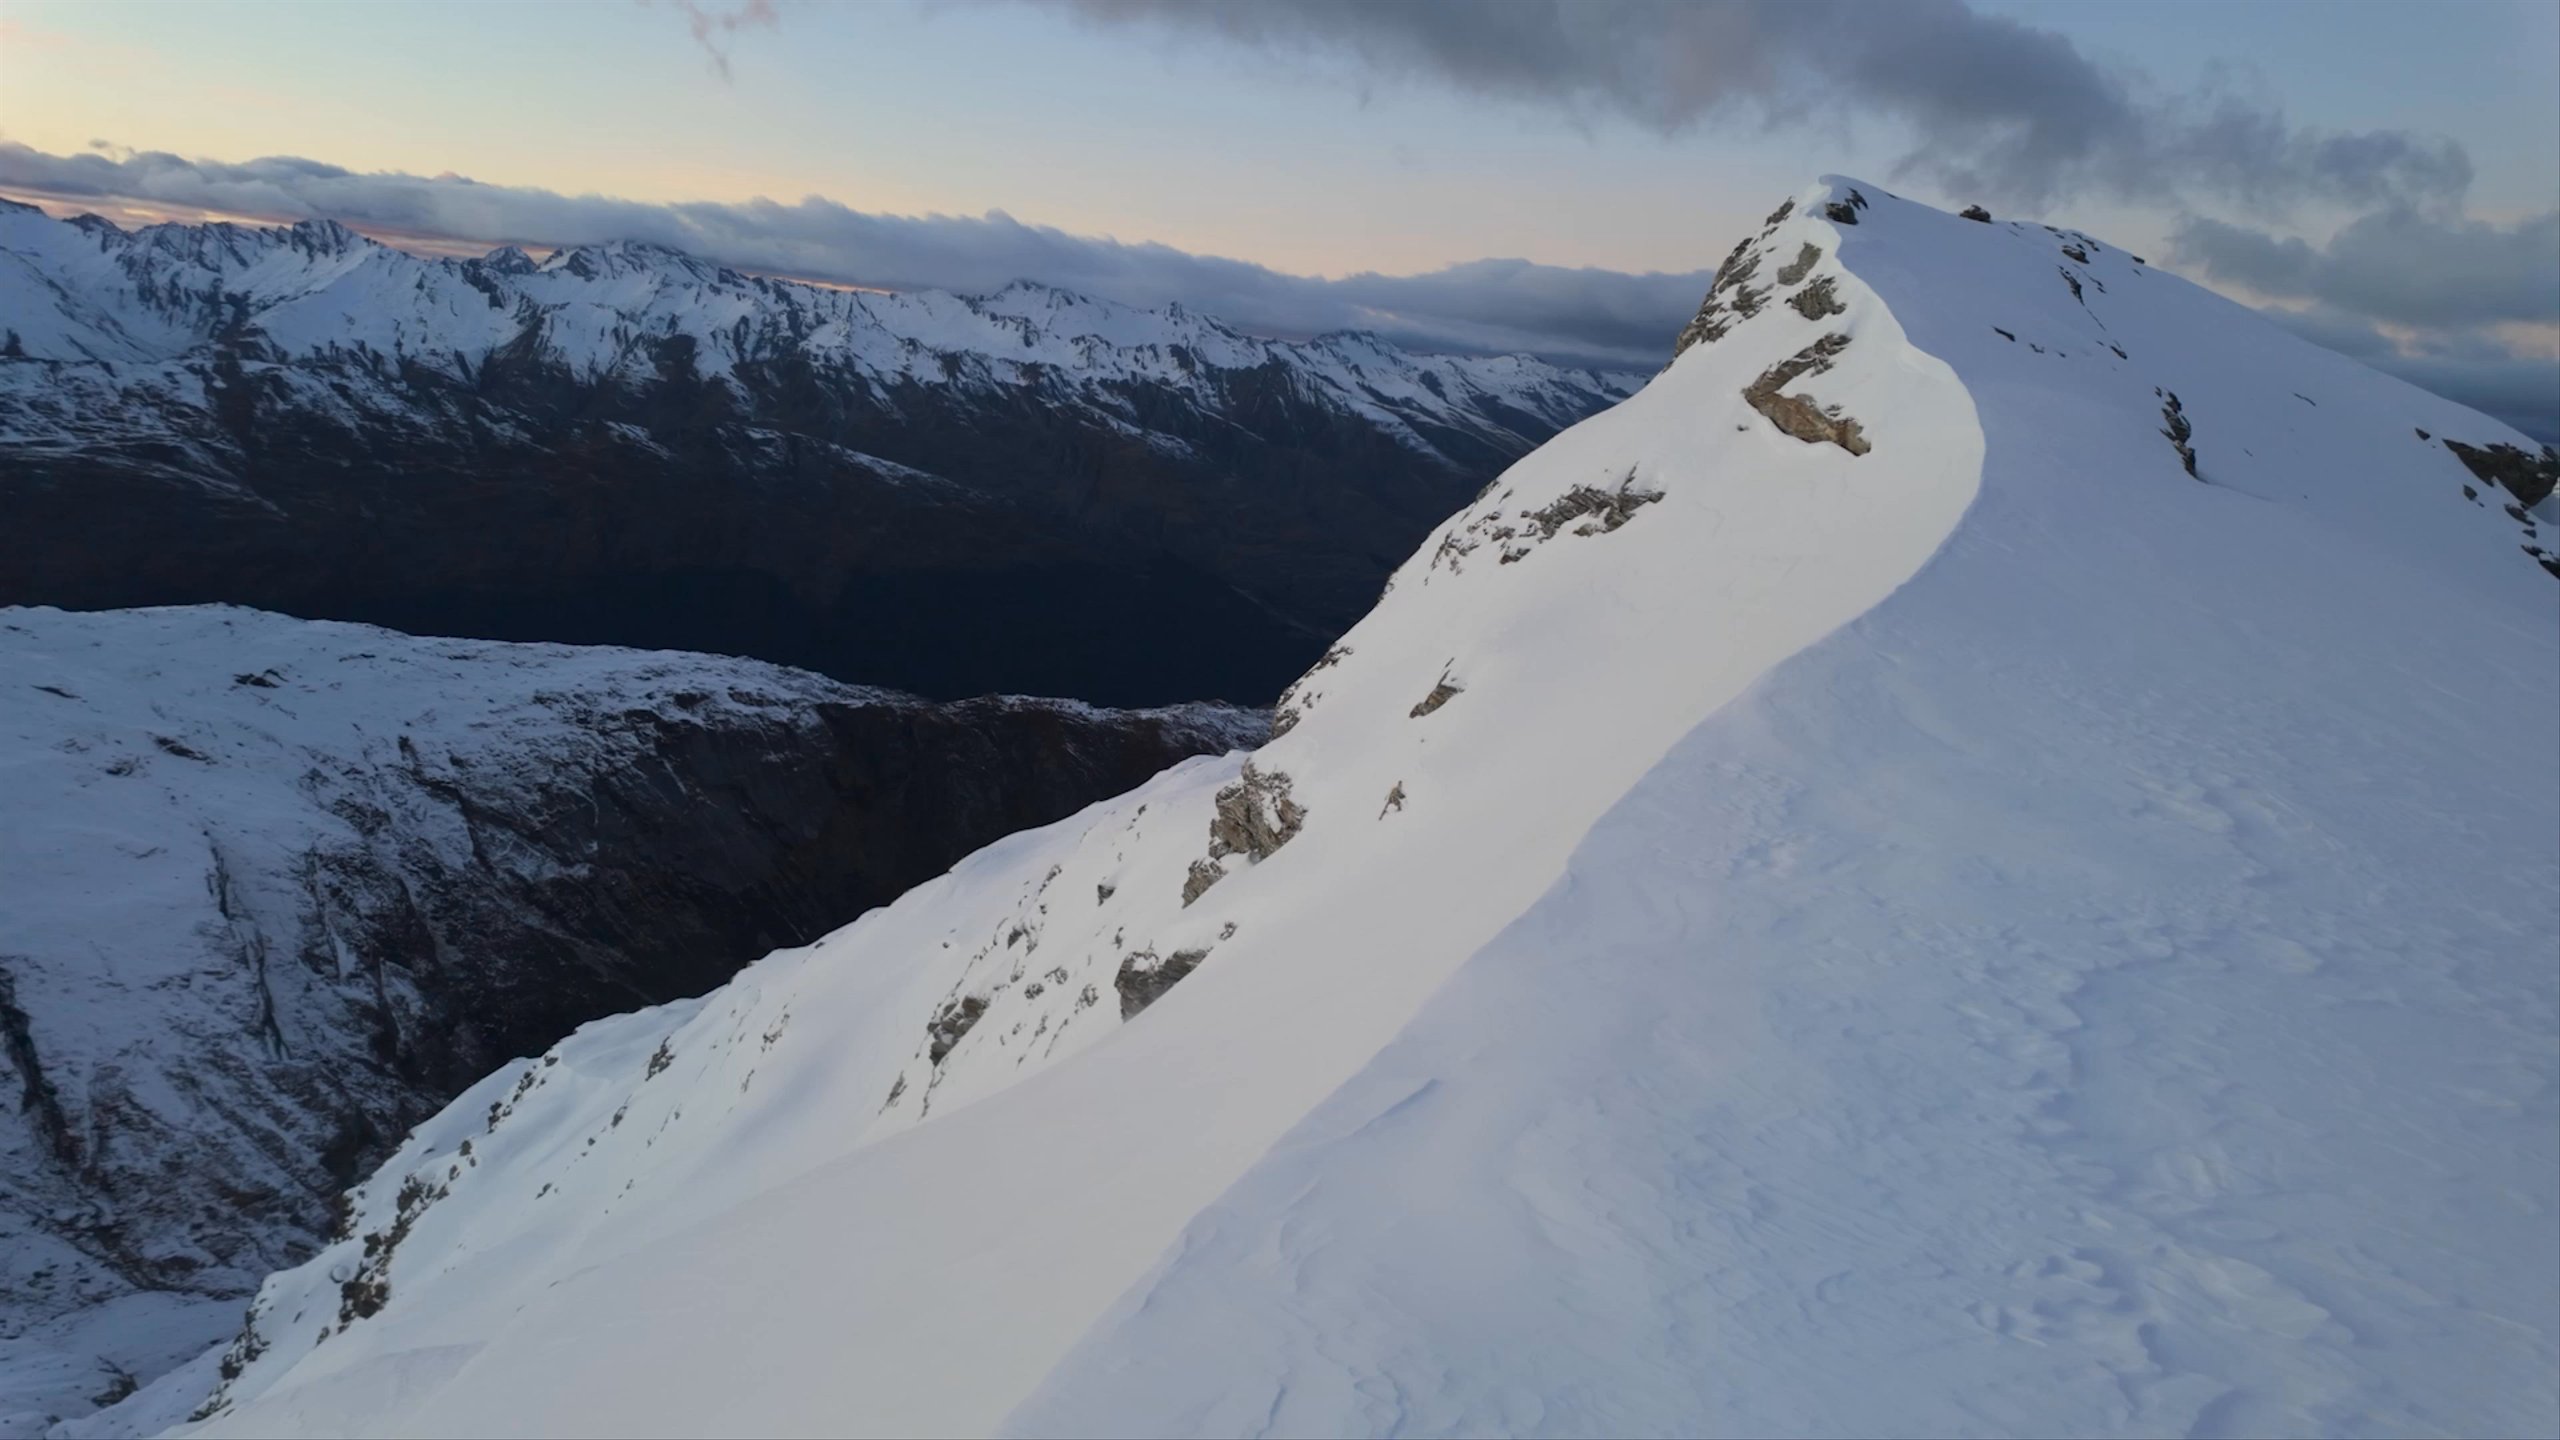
1958, 863
273, 890
89, 292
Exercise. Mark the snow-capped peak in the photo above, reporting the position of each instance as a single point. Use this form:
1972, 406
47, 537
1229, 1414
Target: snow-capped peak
326, 237
1956, 862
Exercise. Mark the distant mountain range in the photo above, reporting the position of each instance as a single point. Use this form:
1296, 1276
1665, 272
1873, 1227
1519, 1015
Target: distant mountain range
1024, 491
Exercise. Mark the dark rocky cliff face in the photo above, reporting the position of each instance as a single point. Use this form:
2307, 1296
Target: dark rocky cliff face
1066, 564
712, 835
278, 890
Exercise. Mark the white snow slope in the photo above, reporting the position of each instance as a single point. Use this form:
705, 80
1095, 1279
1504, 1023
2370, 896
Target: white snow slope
1986, 935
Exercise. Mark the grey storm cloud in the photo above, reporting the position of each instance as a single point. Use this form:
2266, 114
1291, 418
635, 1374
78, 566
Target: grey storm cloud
1999, 108
1576, 315
2395, 265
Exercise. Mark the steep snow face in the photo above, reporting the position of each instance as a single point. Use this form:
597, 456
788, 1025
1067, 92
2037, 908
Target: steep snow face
272, 890
1850, 892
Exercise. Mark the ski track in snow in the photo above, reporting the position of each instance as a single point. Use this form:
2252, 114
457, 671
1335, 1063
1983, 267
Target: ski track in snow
2106, 987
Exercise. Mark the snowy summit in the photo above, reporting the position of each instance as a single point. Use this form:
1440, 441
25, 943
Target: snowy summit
1983, 855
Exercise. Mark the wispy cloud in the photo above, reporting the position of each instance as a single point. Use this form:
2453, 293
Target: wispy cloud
2001, 109
1580, 315
716, 27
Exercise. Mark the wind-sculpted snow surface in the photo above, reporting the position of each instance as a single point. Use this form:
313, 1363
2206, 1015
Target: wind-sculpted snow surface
1983, 934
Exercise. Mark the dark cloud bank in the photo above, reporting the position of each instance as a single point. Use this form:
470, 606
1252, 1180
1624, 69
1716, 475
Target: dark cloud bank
1999, 111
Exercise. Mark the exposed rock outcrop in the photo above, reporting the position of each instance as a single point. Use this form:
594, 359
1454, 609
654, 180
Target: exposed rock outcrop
2177, 428
1844, 211
1303, 693
1254, 816
2527, 477
1591, 510
1800, 415
951, 1024
1441, 694
1585, 509
1144, 977
1730, 297
1818, 300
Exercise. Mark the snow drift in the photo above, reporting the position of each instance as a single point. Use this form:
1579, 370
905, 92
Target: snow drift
1981, 856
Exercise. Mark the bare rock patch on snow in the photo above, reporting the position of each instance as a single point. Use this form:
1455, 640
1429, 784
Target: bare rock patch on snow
1731, 298
1144, 977
1254, 816
1442, 692
1800, 415
1819, 299
2178, 428
2527, 477
1302, 694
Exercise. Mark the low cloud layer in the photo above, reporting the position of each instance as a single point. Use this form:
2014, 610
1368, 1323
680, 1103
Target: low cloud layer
2396, 266
2476, 368
1998, 108
2419, 296
1578, 315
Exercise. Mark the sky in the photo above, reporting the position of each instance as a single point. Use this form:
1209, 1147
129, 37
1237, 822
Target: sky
1553, 175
